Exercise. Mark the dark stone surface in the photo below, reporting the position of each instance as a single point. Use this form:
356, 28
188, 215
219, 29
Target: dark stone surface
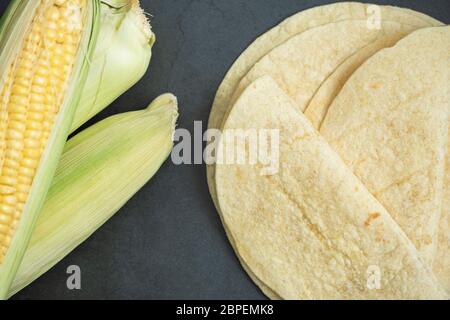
168, 242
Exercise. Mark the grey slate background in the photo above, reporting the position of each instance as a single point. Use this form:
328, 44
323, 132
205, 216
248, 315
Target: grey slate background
168, 242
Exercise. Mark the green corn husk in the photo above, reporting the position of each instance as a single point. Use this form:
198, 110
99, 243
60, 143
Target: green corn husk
114, 55
15, 26
121, 57
100, 170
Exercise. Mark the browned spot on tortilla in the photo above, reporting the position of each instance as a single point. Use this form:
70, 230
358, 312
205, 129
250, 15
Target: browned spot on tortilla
427, 239
372, 217
376, 85
239, 174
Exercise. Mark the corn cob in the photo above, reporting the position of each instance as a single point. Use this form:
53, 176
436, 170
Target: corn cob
45, 47
90, 186
124, 48
121, 57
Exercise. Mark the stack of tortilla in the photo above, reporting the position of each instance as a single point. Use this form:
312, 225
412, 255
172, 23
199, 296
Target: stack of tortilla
359, 205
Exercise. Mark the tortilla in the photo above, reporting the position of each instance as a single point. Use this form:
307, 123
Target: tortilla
441, 265
316, 113
390, 124
264, 288
329, 89
292, 26
303, 63
297, 24
325, 46
312, 231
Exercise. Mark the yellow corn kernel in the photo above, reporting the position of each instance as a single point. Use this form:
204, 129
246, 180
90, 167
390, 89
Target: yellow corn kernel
4, 189
8, 181
6, 212
11, 163
5, 218
4, 229
140, 141
109, 56
30, 99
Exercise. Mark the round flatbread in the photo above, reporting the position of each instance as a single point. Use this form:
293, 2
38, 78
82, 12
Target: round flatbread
296, 24
390, 126
311, 230
316, 113
441, 266
302, 63
330, 88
